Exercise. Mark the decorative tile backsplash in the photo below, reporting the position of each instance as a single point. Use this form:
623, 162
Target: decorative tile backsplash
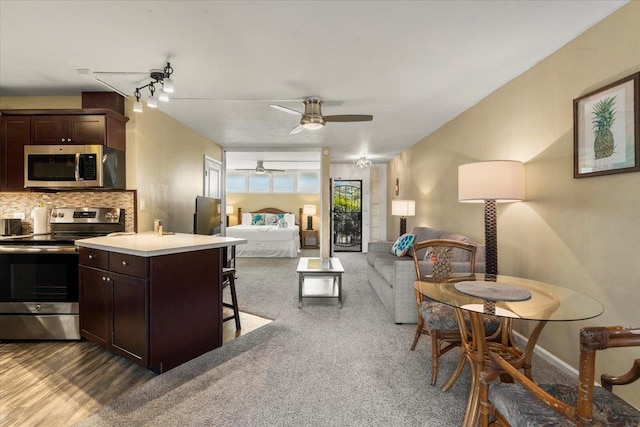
11, 203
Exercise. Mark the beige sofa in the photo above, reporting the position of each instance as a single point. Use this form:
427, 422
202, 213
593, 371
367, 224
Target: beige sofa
392, 277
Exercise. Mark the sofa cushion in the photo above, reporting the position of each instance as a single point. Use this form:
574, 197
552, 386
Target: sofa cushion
385, 266
402, 245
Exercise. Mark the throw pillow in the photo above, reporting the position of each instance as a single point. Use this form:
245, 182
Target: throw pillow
272, 218
257, 219
402, 245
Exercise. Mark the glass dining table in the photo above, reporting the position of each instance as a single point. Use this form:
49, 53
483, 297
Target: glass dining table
508, 298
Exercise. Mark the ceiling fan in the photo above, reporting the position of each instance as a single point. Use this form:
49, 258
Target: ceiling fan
312, 117
260, 169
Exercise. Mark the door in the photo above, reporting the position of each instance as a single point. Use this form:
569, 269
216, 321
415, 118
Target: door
212, 178
346, 216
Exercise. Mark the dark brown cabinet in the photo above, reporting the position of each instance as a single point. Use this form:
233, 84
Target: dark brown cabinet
95, 304
79, 127
159, 311
77, 130
113, 306
15, 133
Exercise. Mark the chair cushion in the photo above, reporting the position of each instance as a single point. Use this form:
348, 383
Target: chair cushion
521, 408
441, 317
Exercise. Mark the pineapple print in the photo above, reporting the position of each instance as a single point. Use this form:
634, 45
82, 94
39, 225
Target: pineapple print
442, 268
604, 115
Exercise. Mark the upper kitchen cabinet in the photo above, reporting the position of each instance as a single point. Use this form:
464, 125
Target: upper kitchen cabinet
15, 133
79, 128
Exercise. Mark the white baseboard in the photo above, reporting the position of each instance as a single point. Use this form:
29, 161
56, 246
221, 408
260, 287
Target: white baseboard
550, 357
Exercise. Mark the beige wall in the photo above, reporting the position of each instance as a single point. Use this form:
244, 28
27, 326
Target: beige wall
167, 171
165, 161
287, 202
583, 234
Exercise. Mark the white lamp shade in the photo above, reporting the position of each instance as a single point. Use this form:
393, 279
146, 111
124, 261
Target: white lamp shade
229, 209
403, 207
499, 180
309, 209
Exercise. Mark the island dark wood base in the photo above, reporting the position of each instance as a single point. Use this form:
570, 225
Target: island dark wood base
158, 311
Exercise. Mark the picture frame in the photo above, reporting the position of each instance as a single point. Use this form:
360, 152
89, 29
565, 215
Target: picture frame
606, 129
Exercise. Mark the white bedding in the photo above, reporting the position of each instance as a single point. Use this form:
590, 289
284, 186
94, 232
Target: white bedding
266, 241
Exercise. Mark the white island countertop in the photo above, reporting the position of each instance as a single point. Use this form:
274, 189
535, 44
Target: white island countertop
149, 244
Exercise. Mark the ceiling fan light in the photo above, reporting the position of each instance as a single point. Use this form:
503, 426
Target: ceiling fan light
137, 107
163, 97
167, 85
312, 126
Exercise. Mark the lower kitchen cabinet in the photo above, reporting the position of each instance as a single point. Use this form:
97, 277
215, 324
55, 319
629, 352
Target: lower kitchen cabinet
158, 311
113, 311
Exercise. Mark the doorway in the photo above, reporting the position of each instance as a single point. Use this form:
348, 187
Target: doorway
346, 215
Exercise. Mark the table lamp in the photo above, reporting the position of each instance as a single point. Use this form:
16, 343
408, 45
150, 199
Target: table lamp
491, 182
403, 209
309, 211
229, 210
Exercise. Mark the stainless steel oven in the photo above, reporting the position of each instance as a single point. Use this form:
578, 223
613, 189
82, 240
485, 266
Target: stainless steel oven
39, 274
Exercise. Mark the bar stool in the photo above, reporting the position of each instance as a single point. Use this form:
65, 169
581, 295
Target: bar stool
229, 279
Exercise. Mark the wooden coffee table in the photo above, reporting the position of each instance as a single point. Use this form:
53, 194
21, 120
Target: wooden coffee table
319, 278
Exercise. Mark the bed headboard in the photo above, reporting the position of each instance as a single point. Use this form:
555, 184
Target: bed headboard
272, 210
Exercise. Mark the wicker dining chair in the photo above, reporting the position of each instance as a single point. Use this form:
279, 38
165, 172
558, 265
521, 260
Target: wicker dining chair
443, 260
526, 403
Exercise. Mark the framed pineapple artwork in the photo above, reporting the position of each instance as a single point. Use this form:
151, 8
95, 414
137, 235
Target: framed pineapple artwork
606, 129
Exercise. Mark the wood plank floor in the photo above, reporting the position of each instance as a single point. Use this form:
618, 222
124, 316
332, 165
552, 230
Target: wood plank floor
57, 383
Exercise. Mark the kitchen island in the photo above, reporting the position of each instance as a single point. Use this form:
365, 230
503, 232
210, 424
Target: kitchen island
154, 299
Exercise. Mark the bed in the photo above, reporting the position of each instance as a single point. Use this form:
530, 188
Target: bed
265, 239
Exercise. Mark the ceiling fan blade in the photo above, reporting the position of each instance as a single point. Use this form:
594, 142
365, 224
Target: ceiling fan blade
274, 170
285, 109
348, 118
296, 129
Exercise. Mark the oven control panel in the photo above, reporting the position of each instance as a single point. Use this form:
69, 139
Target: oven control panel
86, 215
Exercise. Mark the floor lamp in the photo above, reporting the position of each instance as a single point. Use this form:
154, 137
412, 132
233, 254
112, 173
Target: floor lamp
491, 182
403, 209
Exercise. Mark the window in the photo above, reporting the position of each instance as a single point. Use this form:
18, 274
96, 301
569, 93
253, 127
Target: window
259, 183
236, 182
277, 182
284, 182
308, 182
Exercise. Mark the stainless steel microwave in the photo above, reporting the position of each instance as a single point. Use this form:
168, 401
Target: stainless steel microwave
73, 166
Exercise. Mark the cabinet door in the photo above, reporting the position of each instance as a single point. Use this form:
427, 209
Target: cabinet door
15, 132
95, 303
129, 314
87, 129
49, 130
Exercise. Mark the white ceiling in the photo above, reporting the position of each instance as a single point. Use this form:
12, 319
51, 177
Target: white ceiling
413, 65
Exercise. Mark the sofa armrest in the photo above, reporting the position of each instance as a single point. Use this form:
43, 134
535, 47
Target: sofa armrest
380, 247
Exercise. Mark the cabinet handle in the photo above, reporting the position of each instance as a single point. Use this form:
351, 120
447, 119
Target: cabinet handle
90, 256
125, 263
104, 279
68, 139
62, 139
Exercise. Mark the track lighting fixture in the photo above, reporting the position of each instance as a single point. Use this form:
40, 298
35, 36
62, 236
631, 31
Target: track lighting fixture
363, 162
165, 82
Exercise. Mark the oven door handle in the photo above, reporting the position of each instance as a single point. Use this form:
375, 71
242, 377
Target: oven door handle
20, 250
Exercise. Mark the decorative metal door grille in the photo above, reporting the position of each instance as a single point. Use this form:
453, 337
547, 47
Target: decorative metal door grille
347, 216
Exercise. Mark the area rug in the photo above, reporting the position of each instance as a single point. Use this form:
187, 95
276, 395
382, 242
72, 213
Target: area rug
315, 366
